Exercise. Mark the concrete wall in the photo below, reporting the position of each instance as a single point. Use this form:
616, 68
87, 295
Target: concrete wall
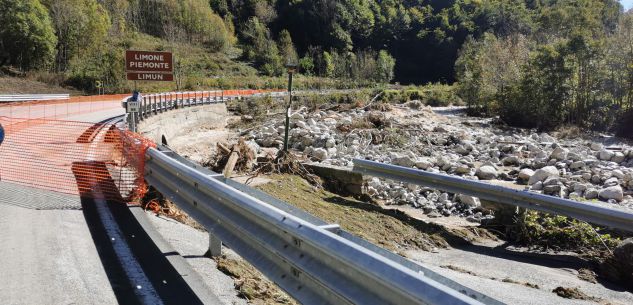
174, 123
339, 179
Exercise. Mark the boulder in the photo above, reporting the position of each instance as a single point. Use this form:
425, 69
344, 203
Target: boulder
618, 174
319, 154
612, 192
543, 173
423, 164
591, 193
462, 169
511, 160
577, 165
486, 172
606, 155
559, 153
470, 201
619, 268
618, 157
405, 161
296, 117
596, 146
525, 174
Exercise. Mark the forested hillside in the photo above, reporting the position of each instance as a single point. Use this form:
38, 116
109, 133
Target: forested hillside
567, 61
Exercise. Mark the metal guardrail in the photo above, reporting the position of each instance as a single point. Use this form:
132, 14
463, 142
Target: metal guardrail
312, 261
32, 97
593, 213
156, 103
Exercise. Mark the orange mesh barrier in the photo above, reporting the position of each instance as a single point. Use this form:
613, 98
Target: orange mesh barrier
73, 157
60, 109
87, 159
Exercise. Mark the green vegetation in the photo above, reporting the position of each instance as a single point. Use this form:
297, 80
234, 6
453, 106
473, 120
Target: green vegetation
572, 65
562, 233
27, 39
432, 95
535, 63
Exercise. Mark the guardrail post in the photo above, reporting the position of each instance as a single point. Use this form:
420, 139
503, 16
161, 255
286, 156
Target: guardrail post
215, 246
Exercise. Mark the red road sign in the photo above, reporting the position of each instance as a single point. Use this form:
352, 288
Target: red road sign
150, 76
144, 61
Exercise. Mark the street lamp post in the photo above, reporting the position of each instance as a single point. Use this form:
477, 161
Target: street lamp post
291, 70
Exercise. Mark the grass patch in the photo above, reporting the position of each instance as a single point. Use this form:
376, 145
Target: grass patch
432, 95
390, 229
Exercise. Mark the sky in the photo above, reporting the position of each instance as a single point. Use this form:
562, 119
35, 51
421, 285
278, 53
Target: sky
628, 4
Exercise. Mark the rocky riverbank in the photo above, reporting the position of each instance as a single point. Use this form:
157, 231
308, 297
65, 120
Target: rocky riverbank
437, 140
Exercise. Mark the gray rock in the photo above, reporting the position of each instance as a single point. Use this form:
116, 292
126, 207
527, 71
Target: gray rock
423, 164
591, 193
405, 161
596, 146
559, 153
543, 173
537, 186
574, 156
525, 174
552, 180
319, 154
619, 268
613, 181
577, 165
618, 174
486, 172
618, 157
606, 155
554, 190
469, 200
296, 117
460, 149
462, 169
511, 160
612, 192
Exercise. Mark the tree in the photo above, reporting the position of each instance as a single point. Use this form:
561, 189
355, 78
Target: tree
539, 98
306, 65
79, 25
287, 48
260, 48
27, 38
385, 64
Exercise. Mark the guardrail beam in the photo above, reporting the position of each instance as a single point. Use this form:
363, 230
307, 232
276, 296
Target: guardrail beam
594, 213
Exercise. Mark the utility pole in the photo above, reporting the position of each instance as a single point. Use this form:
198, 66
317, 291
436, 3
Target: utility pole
291, 69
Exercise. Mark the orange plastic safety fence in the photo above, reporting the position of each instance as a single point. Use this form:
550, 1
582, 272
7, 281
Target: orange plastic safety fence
44, 148
92, 160
58, 109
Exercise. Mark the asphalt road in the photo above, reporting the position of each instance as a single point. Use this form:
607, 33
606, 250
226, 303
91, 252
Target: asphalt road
48, 256
47, 252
